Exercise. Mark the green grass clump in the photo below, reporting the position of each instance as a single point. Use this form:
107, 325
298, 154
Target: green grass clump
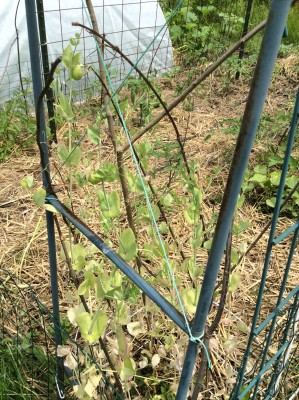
13, 383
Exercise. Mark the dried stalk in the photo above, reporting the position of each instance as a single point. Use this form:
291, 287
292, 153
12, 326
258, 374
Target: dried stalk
111, 125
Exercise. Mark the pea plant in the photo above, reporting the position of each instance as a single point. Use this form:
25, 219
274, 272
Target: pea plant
152, 216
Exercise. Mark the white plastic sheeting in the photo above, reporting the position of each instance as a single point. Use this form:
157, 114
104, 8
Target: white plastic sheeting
129, 24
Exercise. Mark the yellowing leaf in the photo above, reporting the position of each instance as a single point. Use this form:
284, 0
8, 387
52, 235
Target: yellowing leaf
50, 208
92, 384
242, 327
63, 351
155, 360
143, 363
134, 328
190, 298
70, 362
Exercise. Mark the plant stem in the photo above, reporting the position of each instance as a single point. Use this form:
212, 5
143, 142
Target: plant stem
211, 329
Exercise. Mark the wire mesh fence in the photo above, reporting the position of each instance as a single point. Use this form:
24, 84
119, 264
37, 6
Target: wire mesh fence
193, 29
29, 356
268, 369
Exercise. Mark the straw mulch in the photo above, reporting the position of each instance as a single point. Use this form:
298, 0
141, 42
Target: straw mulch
209, 140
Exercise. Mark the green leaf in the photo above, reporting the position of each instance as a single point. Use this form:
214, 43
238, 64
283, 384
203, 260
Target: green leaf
259, 178
110, 204
260, 169
190, 214
50, 208
67, 57
88, 283
275, 160
73, 42
79, 253
76, 59
163, 228
247, 395
144, 149
27, 182
92, 329
122, 313
190, 298
240, 227
98, 326
234, 257
122, 343
128, 369
234, 282
39, 197
275, 178
208, 244
167, 200
271, 202
65, 108
242, 327
69, 159
83, 288
108, 172
291, 181
176, 31
127, 245
94, 134
206, 9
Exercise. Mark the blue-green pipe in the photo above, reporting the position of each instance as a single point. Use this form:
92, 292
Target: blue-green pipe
151, 292
261, 373
276, 311
37, 88
258, 91
245, 30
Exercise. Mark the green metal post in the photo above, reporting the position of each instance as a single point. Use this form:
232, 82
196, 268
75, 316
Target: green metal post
46, 68
245, 30
37, 88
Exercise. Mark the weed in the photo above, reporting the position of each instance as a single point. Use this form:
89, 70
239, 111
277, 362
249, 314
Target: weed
17, 125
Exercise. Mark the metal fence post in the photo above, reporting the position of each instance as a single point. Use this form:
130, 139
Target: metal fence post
254, 106
245, 30
37, 88
45, 60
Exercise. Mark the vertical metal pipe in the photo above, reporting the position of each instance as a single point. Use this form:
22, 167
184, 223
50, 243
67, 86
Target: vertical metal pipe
254, 106
45, 61
245, 30
37, 88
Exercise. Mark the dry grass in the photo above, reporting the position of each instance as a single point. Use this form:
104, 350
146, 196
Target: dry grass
23, 240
